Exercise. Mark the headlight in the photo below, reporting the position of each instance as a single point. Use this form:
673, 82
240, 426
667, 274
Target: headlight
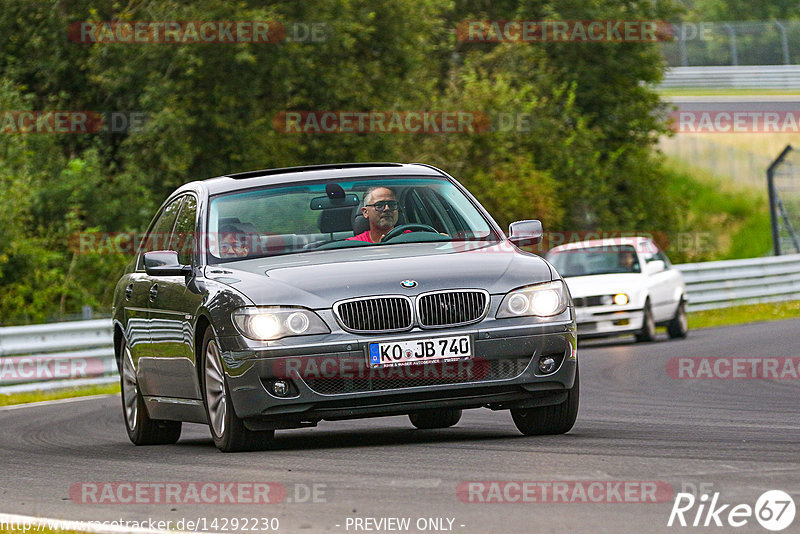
267, 324
543, 300
621, 299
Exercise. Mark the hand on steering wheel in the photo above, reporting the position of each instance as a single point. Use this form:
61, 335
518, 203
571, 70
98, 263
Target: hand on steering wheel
413, 227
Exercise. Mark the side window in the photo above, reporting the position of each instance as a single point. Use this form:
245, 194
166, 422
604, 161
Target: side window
183, 237
161, 232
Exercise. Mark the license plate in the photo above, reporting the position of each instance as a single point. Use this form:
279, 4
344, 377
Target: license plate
420, 351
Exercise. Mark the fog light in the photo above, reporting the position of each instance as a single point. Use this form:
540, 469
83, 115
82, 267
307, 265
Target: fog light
280, 388
547, 364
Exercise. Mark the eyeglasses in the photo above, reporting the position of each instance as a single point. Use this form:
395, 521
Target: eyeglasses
382, 204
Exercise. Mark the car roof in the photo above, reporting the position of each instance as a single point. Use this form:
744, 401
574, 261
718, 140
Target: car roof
634, 241
309, 173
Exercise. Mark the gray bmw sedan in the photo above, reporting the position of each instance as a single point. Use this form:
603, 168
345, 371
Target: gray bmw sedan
276, 299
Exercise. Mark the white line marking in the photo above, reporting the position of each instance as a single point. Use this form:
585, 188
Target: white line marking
56, 401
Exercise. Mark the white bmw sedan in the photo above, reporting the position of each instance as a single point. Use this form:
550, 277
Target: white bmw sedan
622, 286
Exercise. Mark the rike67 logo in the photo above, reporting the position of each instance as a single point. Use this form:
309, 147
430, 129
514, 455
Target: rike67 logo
774, 510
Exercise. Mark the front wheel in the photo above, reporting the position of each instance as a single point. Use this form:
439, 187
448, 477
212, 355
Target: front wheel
544, 420
678, 327
648, 331
141, 429
438, 418
227, 429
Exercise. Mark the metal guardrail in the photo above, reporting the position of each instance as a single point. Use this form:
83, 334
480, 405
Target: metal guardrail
52, 356
752, 77
56, 355
720, 284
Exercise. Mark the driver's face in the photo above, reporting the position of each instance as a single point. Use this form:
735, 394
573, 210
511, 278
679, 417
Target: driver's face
385, 219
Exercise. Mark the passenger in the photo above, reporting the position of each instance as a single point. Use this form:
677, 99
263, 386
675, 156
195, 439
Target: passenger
232, 242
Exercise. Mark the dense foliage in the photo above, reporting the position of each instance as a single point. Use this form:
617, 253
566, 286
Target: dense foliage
583, 159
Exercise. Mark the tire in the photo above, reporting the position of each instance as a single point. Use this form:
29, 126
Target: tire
438, 418
547, 420
678, 327
141, 429
648, 331
227, 429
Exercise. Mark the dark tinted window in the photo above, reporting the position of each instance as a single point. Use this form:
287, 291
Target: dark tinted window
183, 240
161, 232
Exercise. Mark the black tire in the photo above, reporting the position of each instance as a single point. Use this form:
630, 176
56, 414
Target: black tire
438, 418
678, 327
648, 331
227, 429
555, 419
141, 429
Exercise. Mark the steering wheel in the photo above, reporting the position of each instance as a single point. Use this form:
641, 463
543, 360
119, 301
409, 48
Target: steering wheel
413, 227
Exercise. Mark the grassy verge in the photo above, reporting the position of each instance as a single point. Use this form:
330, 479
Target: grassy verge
38, 396
751, 313
723, 220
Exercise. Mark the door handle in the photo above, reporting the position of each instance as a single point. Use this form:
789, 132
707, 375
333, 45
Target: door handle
153, 292
129, 291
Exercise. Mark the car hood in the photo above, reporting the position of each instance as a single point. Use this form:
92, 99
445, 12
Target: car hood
317, 279
603, 284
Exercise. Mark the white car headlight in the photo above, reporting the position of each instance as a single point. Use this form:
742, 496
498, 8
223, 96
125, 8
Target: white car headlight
268, 324
542, 300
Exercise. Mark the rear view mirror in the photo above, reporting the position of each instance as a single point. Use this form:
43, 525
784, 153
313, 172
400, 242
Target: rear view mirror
164, 263
525, 233
346, 201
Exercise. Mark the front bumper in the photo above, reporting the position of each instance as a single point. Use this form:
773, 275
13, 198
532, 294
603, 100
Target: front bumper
330, 378
598, 321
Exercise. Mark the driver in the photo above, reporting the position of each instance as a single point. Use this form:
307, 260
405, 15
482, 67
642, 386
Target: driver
627, 260
382, 210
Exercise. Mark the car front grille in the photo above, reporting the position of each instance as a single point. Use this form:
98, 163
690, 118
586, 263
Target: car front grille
451, 308
582, 302
385, 378
375, 314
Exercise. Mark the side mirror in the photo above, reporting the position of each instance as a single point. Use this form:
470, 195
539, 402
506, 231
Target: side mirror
524, 233
655, 266
164, 263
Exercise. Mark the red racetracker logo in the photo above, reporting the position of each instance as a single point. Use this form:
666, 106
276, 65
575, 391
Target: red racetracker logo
30, 368
736, 121
176, 31
177, 492
396, 122
572, 31
567, 492
357, 368
734, 367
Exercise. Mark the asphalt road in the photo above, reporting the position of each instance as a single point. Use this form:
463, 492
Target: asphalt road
736, 437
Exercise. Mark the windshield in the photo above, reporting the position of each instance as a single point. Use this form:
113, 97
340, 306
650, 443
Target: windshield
595, 260
293, 219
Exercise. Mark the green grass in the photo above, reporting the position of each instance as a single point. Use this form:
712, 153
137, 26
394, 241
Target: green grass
750, 313
38, 396
726, 220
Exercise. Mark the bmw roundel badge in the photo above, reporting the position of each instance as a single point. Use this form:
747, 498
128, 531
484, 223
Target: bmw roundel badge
408, 283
